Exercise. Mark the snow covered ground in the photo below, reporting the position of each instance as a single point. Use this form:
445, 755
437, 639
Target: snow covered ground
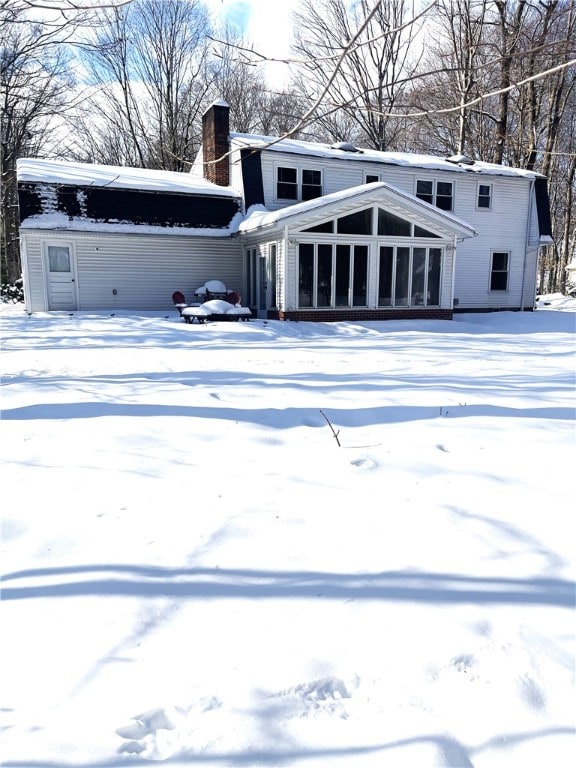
196, 572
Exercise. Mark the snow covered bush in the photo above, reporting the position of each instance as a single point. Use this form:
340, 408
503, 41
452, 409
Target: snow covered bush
12, 292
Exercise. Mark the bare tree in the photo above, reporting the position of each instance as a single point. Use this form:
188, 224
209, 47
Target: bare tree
459, 51
510, 17
561, 166
238, 80
61, 10
147, 68
367, 85
35, 84
508, 111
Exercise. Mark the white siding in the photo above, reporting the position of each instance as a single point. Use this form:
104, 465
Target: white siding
282, 286
447, 278
34, 285
530, 278
144, 270
502, 228
236, 172
291, 267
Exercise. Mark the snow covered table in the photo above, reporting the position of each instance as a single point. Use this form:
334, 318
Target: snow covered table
215, 309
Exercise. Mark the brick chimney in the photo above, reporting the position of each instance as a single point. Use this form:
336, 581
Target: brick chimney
216, 143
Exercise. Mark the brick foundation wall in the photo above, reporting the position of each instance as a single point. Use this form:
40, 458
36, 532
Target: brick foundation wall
336, 315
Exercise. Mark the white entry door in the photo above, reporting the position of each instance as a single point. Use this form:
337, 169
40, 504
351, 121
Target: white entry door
61, 273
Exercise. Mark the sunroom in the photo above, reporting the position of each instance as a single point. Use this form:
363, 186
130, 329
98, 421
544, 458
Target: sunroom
373, 252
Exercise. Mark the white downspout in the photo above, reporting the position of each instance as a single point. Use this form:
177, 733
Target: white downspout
284, 282
453, 271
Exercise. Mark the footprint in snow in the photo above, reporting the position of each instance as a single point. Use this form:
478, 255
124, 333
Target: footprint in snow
142, 726
147, 722
156, 734
364, 463
322, 696
531, 693
465, 664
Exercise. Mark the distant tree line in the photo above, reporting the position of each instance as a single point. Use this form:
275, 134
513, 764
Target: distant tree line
125, 82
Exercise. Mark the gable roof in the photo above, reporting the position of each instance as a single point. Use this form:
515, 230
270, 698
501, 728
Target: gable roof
376, 193
346, 153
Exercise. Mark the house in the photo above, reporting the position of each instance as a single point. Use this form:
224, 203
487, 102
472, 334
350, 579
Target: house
302, 230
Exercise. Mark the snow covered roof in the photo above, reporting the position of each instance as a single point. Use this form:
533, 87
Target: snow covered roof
258, 216
339, 152
93, 175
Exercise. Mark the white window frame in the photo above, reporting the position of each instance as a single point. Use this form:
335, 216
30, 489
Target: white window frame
277, 182
299, 181
489, 196
333, 244
411, 247
499, 271
435, 183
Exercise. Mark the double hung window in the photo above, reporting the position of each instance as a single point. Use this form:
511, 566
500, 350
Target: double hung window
499, 271
311, 184
484, 196
294, 184
438, 193
287, 186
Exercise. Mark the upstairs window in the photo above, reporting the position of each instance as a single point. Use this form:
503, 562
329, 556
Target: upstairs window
370, 178
287, 187
485, 196
438, 193
499, 271
311, 184
290, 186
425, 191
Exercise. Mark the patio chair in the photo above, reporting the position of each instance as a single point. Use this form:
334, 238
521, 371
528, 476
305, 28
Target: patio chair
179, 301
